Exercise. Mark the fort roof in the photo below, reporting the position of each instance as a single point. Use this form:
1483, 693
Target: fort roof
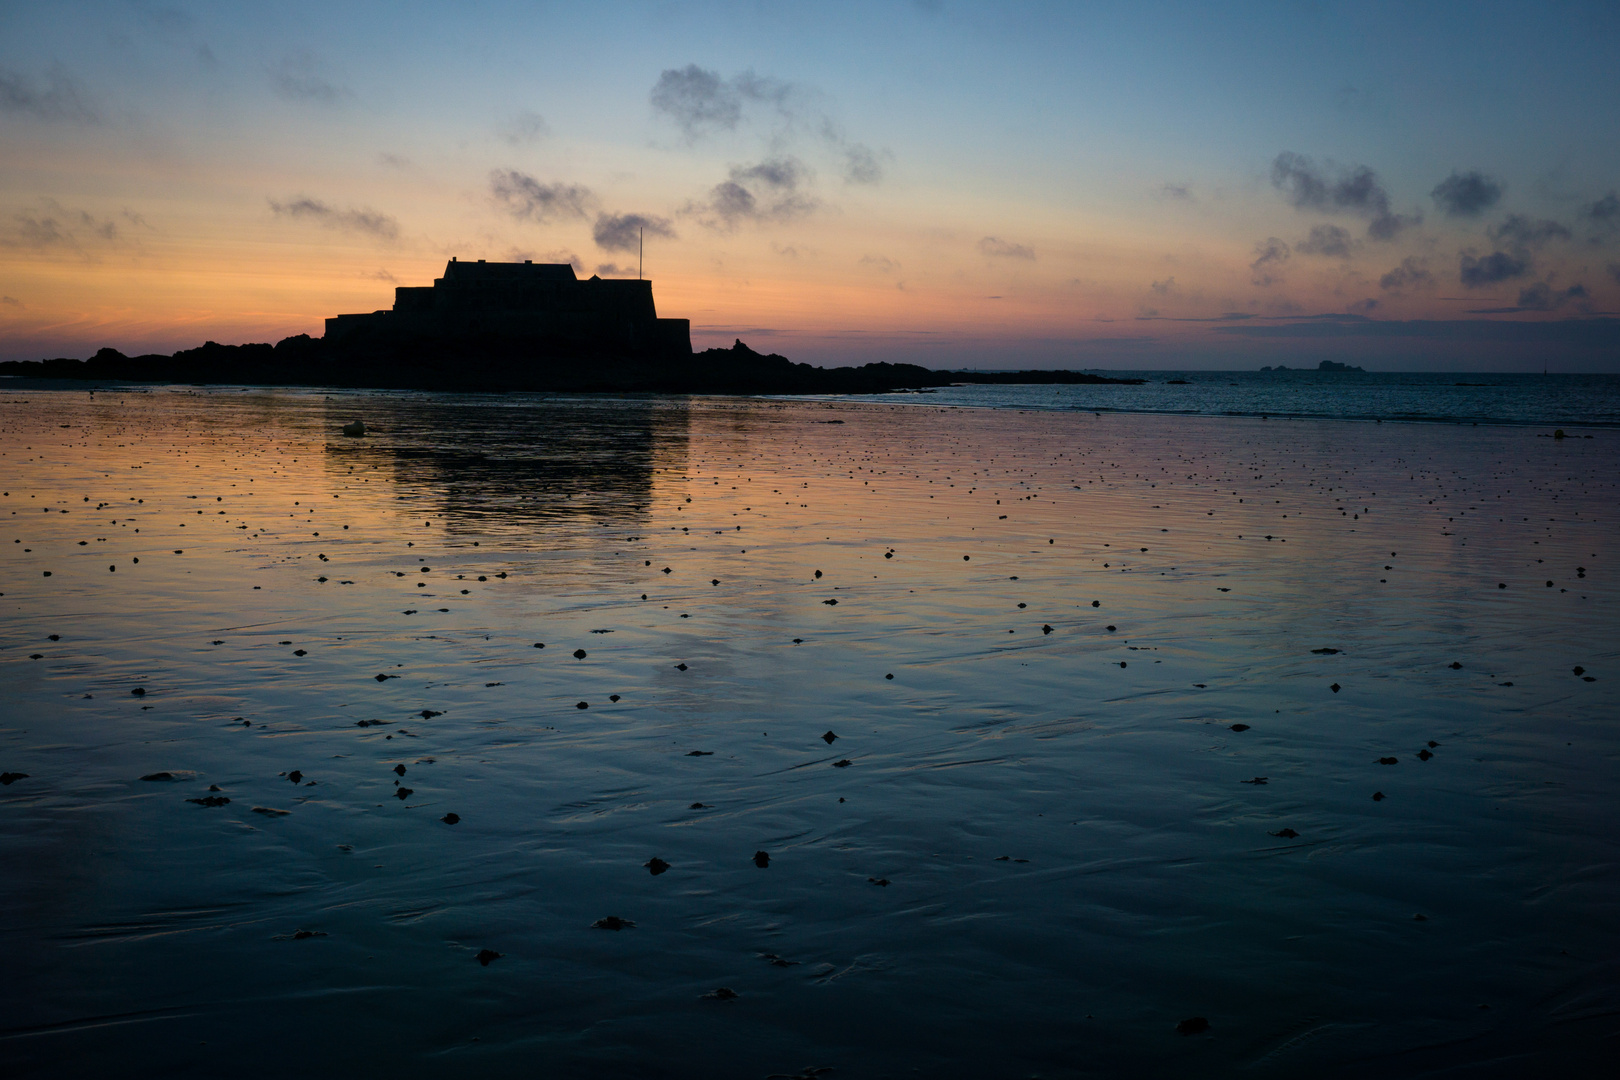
470, 272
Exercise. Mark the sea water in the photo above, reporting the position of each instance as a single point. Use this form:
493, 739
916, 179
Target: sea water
1380, 396
1060, 734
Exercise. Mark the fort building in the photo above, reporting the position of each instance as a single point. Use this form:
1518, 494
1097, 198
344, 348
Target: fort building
544, 305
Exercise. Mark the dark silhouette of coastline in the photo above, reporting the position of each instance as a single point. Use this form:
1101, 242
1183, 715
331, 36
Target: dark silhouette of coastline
516, 327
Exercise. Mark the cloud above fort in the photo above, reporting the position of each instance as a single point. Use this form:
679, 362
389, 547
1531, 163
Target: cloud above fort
767, 192
700, 102
624, 232
528, 199
364, 221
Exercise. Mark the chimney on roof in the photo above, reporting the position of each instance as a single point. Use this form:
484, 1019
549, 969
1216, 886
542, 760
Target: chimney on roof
480, 260
528, 262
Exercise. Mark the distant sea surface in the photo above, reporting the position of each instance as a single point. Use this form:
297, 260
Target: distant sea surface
1578, 400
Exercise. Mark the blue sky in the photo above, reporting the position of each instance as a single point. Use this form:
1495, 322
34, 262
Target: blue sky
945, 183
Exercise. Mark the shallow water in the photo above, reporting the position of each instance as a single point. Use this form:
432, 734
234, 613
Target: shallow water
1384, 396
141, 928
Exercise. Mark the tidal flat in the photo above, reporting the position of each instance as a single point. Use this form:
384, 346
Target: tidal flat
1074, 744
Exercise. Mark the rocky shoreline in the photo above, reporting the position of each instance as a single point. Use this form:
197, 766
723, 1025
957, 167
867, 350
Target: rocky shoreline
495, 365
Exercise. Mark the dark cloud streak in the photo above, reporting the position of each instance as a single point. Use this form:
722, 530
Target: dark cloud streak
1466, 195
622, 232
1475, 272
367, 222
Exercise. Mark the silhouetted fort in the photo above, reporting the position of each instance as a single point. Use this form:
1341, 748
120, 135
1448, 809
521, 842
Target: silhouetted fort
525, 326
523, 301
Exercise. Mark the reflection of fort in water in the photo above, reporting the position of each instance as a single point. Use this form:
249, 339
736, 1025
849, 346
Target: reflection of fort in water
494, 461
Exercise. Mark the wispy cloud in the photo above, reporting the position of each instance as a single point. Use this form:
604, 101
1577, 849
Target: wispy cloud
766, 192
367, 222
881, 263
1413, 273
527, 199
1603, 216
1326, 240
996, 248
1519, 231
861, 165
59, 99
300, 76
701, 102
54, 227
1269, 256
525, 128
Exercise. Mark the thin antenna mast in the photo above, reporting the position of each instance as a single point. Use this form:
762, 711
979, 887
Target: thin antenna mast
641, 243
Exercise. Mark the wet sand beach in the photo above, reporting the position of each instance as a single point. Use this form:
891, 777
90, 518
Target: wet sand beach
736, 738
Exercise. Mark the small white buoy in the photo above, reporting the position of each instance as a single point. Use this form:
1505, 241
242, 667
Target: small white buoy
356, 428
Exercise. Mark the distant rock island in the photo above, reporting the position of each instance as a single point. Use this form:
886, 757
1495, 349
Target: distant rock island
1326, 365
516, 326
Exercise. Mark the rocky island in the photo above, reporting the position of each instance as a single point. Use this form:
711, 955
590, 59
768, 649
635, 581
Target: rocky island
516, 326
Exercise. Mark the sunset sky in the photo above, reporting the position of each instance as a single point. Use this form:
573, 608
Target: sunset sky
1201, 185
